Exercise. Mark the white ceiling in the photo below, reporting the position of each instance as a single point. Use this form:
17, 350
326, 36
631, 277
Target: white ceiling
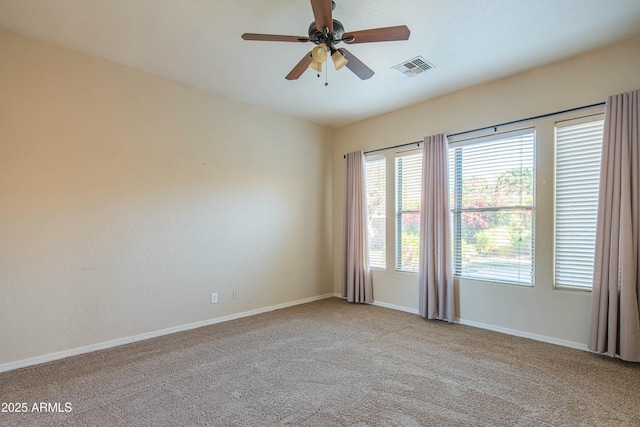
198, 42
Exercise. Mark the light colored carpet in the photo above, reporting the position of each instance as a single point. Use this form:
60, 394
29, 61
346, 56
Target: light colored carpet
330, 363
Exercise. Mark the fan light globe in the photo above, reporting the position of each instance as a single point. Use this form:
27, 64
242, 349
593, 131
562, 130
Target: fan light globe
339, 61
316, 66
319, 53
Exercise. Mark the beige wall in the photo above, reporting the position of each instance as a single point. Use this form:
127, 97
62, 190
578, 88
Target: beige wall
540, 311
126, 199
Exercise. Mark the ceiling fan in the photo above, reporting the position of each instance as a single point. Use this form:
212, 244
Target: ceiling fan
325, 32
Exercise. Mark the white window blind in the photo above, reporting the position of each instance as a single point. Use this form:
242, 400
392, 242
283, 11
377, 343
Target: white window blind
578, 149
375, 183
408, 187
492, 198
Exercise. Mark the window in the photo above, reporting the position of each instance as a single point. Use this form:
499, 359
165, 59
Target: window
408, 186
578, 149
492, 198
375, 183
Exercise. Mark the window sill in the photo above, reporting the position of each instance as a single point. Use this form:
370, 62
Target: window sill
407, 272
495, 282
580, 289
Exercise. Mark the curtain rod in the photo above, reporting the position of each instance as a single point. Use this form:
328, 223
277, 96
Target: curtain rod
494, 127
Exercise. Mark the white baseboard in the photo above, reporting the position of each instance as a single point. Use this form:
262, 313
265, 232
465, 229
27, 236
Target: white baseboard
128, 340
396, 307
514, 332
385, 305
522, 334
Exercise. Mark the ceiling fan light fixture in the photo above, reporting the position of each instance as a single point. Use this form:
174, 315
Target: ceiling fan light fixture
319, 53
339, 60
316, 66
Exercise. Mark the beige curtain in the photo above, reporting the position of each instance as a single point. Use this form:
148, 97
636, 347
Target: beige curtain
356, 276
436, 268
615, 314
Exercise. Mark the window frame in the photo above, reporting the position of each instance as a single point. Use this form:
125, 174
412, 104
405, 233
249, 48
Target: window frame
457, 210
568, 121
383, 159
399, 212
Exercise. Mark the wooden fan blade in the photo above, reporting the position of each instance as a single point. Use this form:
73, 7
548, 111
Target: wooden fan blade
322, 14
274, 38
356, 66
300, 67
386, 34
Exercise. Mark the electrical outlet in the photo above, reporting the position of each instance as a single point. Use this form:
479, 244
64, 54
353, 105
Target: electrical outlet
235, 294
214, 298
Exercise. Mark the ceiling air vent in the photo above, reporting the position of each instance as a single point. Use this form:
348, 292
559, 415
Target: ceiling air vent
413, 67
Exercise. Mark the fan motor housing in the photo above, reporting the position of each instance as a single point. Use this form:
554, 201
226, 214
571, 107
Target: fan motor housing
329, 39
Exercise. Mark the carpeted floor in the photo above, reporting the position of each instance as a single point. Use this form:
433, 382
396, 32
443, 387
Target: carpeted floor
329, 363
